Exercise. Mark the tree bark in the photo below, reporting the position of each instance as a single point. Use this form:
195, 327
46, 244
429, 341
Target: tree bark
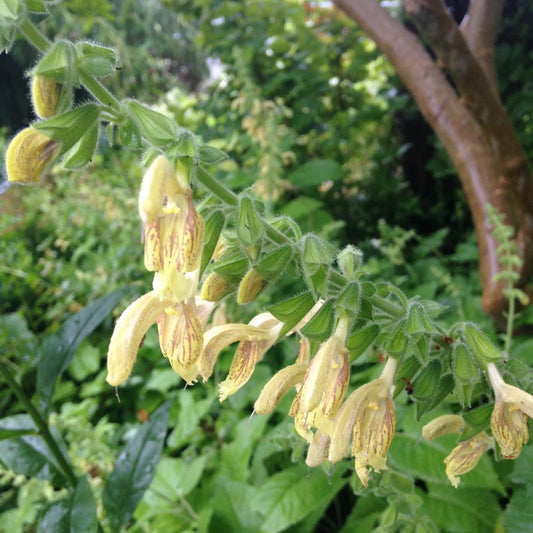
467, 117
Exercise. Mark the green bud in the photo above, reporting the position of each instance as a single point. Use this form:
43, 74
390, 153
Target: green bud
350, 260
316, 252
417, 321
154, 126
250, 229
464, 367
211, 155
480, 345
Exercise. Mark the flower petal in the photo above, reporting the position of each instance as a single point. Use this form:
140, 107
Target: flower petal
128, 334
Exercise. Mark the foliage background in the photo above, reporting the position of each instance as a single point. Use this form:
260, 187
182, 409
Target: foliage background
312, 114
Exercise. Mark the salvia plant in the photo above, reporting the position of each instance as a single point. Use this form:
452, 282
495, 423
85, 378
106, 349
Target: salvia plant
203, 250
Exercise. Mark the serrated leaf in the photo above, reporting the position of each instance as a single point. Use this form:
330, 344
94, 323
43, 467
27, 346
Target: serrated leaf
320, 327
291, 311
29, 455
58, 349
75, 514
134, 469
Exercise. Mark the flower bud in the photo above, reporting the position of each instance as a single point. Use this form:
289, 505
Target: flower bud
443, 425
28, 154
214, 288
45, 93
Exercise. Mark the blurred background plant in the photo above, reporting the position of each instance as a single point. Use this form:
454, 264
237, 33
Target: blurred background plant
304, 104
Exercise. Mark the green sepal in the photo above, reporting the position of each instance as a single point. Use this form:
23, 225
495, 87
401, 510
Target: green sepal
396, 342
479, 344
232, 265
82, 152
405, 371
250, 229
319, 328
417, 321
316, 252
214, 224
427, 382
476, 420
360, 340
211, 155
317, 280
94, 59
464, 367
422, 348
153, 126
68, 128
57, 61
273, 264
350, 260
445, 387
291, 311
350, 298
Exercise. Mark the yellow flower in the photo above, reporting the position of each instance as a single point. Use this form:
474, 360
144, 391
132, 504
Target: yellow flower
368, 416
323, 386
465, 456
28, 154
45, 93
508, 422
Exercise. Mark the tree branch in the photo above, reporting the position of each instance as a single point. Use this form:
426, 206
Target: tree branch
479, 31
478, 162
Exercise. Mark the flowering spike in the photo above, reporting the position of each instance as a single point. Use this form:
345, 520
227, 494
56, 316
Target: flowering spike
28, 154
128, 334
465, 456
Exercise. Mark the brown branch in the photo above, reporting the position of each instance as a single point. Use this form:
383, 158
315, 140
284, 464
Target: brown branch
477, 162
479, 30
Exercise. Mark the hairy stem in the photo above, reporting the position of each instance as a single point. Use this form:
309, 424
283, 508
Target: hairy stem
33, 35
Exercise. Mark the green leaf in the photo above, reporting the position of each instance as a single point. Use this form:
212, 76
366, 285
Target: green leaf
291, 495
134, 469
291, 311
58, 349
519, 512
68, 128
319, 328
316, 172
29, 455
75, 514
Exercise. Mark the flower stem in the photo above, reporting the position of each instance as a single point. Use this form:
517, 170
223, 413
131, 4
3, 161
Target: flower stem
33, 35
98, 90
41, 424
